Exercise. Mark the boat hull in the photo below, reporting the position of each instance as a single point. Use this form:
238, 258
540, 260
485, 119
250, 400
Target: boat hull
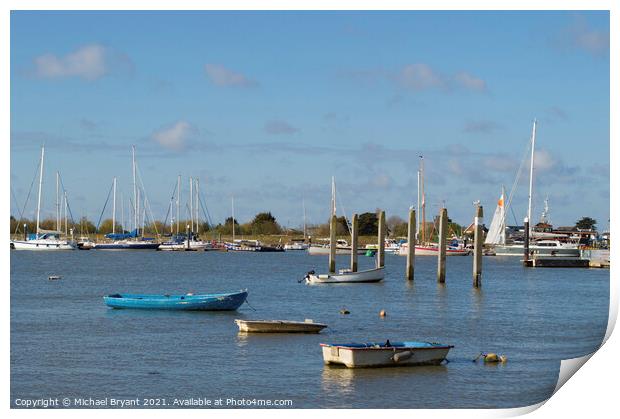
378, 355
324, 251
371, 275
517, 250
433, 251
42, 245
127, 246
212, 302
278, 326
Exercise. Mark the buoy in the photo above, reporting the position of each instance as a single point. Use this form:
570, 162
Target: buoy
382, 313
345, 311
491, 358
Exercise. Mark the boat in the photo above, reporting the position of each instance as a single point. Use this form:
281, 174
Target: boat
372, 354
180, 243
223, 301
43, 239
251, 246
433, 250
346, 276
296, 244
542, 243
342, 248
391, 246
279, 326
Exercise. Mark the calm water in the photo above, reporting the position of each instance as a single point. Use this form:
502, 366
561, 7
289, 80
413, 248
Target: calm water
66, 343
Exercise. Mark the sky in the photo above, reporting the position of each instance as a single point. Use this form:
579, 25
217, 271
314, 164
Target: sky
268, 106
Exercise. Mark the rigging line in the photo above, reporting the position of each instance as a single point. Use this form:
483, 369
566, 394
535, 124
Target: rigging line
169, 206
28, 197
18, 210
344, 214
517, 178
104, 206
205, 211
146, 199
67, 200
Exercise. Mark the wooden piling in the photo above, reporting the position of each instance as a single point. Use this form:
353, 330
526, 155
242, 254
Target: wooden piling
381, 244
332, 244
187, 232
526, 241
411, 245
478, 247
354, 242
441, 258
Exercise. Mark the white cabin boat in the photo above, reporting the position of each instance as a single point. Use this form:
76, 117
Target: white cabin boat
46, 241
346, 276
540, 248
279, 326
342, 248
421, 250
355, 355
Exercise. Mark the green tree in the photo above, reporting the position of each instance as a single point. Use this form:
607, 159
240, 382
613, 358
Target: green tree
368, 224
586, 223
264, 223
106, 227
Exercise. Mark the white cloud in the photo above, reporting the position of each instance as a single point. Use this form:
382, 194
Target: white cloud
174, 137
87, 62
279, 127
468, 81
582, 36
419, 77
222, 76
543, 160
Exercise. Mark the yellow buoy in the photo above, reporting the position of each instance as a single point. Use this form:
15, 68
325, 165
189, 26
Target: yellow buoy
382, 313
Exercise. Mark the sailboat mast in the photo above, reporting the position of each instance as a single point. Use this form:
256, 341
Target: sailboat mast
303, 205
423, 199
135, 191
114, 207
57, 201
529, 203
502, 231
122, 214
178, 201
191, 202
417, 230
40, 184
232, 203
66, 228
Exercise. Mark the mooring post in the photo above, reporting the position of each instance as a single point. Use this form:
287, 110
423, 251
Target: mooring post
354, 243
411, 245
187, 232
526, 241
381, 244
332, 245
25, 232
478, 247
441, 257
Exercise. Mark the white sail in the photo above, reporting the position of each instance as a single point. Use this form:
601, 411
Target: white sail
497, 230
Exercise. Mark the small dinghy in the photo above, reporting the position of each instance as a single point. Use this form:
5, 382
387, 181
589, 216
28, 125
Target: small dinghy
345, 276
279, 326
355, 355
224, 301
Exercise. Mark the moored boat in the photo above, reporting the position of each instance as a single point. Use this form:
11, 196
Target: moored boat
216, 302
422, 250
355, 355
279, 326
346, 276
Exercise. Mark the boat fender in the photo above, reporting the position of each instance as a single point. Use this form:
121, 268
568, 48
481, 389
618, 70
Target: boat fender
402, 356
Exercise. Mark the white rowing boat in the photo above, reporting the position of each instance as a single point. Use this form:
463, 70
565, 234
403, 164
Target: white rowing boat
346, 276
279, 326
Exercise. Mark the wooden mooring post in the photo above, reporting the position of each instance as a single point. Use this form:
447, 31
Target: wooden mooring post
410, 245
332, 244
381, 244
526, 242
354, 243
441, 257
478, 247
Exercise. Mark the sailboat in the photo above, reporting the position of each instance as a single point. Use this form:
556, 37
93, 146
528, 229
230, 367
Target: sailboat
42, 239
423, 248
131, 240
345, 275
341, 245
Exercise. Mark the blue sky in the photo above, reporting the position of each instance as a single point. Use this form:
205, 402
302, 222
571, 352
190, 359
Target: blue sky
267, 106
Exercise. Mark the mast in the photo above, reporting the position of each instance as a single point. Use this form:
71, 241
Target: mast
122, 214
40, 184
417, 230
191, 202
303, 205
66, 228
502, 231
423, 199
114, 207
178, 200
529, 201
57, 201
197, 201
138, 221
135, 191
232, 203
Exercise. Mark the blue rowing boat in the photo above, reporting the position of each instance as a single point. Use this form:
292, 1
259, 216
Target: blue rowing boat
224, 301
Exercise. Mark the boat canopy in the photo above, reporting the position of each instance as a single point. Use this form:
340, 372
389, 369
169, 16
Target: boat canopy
122, 236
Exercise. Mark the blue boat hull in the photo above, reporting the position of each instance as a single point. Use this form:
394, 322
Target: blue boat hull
214, 302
